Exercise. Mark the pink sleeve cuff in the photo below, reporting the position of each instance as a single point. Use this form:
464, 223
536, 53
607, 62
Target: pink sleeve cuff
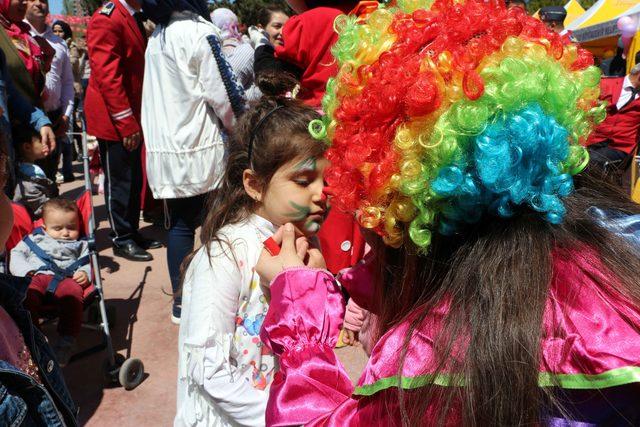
301, 327
306, 307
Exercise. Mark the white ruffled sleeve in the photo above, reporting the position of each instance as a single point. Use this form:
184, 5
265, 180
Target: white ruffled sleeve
212, 389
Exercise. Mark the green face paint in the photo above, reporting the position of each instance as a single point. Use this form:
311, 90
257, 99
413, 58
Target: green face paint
301, 212
307, 164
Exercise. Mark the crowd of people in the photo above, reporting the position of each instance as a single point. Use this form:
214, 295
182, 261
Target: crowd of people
430, 180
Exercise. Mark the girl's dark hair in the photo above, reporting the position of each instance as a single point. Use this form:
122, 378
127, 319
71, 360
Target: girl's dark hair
65, 28
4, 161
276, 83
264, 17
22, 135
496, 279
281, 136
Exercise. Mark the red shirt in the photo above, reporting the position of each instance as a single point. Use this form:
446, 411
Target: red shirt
620, 127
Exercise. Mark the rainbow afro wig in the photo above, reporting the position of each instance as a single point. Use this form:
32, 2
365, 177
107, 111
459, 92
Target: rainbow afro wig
445, 111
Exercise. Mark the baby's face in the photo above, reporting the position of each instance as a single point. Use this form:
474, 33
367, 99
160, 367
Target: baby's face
62, 225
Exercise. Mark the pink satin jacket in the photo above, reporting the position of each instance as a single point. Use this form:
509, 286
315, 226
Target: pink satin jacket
590, 348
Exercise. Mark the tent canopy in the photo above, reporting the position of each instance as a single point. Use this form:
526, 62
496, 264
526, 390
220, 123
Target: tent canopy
574, 11
634, 10
600, 20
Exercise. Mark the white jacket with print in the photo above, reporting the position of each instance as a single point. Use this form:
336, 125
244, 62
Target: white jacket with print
185, 108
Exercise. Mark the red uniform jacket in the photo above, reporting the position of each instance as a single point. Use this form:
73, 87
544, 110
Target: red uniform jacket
620, 127
308, 39
116, 51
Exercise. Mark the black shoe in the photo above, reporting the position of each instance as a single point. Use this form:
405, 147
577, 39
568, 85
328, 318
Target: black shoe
145, 243
155, 219
69, 178
131, 251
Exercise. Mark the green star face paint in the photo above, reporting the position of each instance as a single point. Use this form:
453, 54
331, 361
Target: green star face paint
299, 213
308, 164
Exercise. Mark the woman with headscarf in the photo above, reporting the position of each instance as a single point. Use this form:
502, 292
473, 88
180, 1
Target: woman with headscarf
190, 96
25, 58
238, 53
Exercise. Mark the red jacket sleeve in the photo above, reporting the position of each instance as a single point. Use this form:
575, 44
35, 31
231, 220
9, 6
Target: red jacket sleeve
106, 56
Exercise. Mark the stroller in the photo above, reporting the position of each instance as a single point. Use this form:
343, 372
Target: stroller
117, 369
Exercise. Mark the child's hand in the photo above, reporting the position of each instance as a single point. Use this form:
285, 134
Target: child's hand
293, 253
353, 317
81, 278
349, 337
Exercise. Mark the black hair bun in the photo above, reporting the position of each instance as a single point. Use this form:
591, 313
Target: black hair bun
274, 84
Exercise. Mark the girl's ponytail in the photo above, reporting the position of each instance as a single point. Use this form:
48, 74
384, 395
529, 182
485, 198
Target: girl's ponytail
276, 85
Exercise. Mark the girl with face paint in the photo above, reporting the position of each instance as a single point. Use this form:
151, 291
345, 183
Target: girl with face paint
274, 175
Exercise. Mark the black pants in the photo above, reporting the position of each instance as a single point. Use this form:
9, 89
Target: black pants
185, 216
122, 187
600, 154
50, 163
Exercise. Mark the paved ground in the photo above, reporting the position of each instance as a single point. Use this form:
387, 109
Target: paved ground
140, 294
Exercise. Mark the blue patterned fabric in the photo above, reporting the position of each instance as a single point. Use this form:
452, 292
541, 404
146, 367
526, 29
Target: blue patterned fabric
23, 401
234, 90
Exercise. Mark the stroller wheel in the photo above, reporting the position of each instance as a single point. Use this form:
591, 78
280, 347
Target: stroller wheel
110, 371
131, 373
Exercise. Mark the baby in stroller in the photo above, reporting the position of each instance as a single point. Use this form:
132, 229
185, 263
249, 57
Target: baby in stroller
59, 265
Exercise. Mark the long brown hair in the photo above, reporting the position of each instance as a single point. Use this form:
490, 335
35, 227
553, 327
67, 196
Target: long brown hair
4, 161
278, 139
497, 277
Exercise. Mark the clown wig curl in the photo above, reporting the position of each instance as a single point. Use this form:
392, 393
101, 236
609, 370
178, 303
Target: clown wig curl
445, 111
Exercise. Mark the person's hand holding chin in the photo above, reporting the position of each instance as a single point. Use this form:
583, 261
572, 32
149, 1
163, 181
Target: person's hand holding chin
294, 252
